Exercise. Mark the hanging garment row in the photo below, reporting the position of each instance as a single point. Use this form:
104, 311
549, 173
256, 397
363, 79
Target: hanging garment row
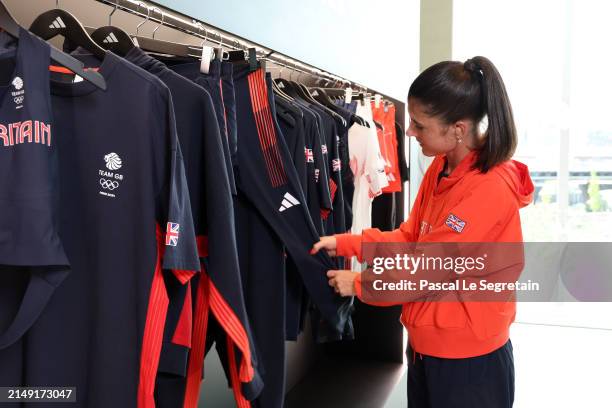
170, 212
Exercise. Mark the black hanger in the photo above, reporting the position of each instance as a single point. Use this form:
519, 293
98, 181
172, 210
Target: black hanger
336, 93
293, 89
151, 45
169, 48
339, 93
290, 88
323, 96
113, 39
166, 48
304, 91
8, 24
320, 95
60, 22
281, 86
279, 92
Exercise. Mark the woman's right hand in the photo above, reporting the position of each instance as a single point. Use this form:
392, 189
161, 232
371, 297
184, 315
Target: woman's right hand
327, 243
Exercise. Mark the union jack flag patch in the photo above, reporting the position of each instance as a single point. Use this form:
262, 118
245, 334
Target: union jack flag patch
455, 223
309, 155
172, 234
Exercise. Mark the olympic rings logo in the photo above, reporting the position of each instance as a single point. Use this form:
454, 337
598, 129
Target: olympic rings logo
109, 184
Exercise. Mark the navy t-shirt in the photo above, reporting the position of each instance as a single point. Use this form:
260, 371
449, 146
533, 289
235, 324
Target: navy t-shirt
28, 155
32, 259
125, 215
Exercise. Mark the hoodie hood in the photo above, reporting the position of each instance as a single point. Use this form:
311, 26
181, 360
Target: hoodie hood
456, 175
516, 175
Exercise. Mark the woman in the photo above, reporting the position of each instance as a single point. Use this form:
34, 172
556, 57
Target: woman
460, 354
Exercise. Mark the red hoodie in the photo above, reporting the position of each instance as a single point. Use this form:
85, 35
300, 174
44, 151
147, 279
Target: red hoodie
489, 204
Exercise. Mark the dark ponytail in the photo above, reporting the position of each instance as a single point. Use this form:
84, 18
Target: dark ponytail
472, 90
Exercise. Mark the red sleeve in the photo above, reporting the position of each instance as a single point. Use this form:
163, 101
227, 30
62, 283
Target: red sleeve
359, 292
350, 244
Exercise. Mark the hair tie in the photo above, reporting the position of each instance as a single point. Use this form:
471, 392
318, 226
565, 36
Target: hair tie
471, 66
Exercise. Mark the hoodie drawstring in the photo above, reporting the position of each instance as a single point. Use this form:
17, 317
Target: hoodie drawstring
414, 353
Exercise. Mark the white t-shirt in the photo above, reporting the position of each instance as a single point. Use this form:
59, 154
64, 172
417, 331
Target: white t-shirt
368, 166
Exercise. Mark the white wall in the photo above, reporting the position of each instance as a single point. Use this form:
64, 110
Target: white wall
374, 43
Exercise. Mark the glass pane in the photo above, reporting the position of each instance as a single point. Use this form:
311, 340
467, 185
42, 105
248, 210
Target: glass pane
554, 59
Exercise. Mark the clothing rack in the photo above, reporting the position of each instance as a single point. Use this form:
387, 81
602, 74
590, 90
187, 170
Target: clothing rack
154, 12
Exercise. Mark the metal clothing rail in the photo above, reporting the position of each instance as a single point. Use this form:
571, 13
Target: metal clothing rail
154, 12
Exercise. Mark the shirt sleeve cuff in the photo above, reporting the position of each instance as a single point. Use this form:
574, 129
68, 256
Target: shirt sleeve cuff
348, 245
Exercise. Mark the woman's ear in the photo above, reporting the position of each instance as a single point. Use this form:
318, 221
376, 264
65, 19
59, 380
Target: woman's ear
461, 130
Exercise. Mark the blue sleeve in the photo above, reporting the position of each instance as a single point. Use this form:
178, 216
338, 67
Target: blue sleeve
181, 252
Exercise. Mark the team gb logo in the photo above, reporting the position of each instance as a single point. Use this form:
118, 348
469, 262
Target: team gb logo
17, 83
113, 161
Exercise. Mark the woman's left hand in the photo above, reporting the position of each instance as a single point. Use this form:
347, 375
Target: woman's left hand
343, 281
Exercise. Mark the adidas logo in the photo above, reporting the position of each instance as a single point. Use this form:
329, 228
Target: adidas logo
288, 202
57, 23
111, 39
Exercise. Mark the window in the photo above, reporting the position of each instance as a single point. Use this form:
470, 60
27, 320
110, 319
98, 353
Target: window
555, 60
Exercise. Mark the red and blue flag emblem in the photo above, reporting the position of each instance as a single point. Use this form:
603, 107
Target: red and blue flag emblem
172, 234
309, 155
455, 223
